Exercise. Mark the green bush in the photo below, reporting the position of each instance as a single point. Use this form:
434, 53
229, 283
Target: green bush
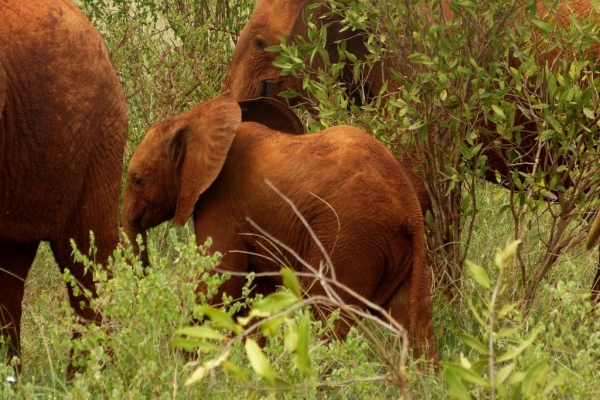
473, 80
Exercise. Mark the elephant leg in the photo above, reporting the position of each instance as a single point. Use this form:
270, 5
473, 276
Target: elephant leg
98, 213
420, 330
78, 300
15, 262
84, 282
344, 261
231, 261
398, 305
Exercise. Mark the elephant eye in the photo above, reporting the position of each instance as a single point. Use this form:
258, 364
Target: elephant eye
260, 44
136, 181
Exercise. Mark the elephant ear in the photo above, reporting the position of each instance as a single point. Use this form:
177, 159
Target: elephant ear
273, 114
199, 149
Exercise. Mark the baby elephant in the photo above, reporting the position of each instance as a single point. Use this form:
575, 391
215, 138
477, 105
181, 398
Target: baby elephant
348, 186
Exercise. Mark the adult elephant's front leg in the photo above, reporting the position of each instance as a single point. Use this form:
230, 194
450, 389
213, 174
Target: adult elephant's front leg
96, 214
15, 262
79, 299
83, 281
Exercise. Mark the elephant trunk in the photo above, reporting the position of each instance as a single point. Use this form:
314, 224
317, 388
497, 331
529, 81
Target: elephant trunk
132, 233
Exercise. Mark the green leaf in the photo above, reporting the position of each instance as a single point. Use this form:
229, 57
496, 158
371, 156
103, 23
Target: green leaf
480, 274
193, 345
475, 313
273, 304
290, 281
514, 352
276, 48
228, 366
547, 134
221, 318
588, 113
463, 373
507, 309
200, 332
473, 343
498, 111
419, 58
304, 366
515, 377
535, 378
259, 361
464, 361
290, 339
552, 86
270, 327
429, 219
480, 365
507, 332
281, 385
553, 383
504, 256
504, 373
457, 389
544, 26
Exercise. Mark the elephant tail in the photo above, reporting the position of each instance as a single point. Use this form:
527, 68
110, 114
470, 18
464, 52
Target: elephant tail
421, 333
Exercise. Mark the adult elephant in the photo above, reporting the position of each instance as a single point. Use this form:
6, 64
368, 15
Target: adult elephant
346, 184
63, 124
251, 72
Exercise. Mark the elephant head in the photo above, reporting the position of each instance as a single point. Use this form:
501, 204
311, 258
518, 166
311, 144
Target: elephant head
252, 72
179, 158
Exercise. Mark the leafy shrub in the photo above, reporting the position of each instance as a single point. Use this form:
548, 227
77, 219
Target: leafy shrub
498, 91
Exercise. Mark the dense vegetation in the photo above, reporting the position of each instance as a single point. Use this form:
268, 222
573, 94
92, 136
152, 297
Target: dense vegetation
520, 323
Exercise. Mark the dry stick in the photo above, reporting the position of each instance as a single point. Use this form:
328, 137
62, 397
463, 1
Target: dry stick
394, 327
326, 282
316, 239
322, 279
175, 382
278, 259
306, 224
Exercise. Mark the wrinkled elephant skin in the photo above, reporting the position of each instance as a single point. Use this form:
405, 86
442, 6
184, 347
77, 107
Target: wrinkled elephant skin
62, 135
